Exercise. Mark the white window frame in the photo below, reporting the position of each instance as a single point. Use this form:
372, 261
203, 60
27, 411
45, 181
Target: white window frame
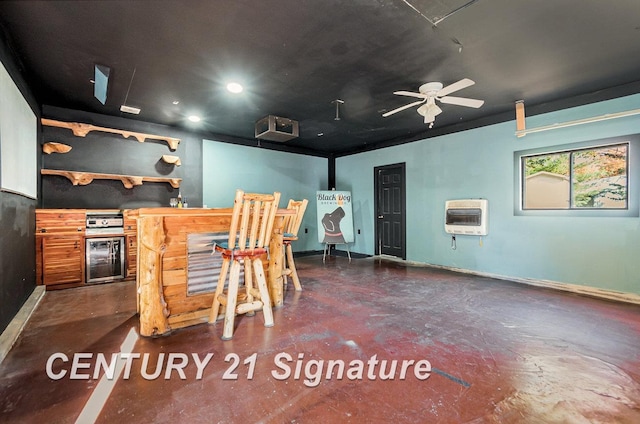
633, 175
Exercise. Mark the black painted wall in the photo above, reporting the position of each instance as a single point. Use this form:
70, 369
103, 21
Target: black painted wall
17, 221
107, 153
17, 260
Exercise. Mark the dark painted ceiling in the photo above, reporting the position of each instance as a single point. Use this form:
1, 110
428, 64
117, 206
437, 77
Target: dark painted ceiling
295, 57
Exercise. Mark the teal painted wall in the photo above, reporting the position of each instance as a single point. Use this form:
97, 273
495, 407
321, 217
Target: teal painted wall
226, 167
592, 251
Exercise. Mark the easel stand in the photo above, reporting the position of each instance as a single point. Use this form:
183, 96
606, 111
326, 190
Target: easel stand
327, 250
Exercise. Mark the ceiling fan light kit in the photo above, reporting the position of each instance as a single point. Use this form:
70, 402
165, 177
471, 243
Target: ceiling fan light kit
432, 91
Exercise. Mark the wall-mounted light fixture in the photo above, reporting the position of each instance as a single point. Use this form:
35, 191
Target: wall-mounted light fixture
522, 132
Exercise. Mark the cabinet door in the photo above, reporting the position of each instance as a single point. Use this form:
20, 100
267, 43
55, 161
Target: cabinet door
62, 259
131, 233
132, 255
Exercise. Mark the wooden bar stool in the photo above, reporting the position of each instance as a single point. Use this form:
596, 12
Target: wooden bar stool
291, 227
249, 234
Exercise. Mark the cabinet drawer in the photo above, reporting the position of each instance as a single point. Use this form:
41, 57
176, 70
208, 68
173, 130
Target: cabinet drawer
55, 221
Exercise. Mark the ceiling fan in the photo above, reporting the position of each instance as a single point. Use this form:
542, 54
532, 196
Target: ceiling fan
432, 91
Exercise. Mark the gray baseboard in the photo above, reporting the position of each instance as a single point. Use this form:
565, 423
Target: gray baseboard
556, 285
13, 330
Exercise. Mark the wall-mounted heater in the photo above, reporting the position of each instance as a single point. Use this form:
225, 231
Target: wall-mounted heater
467, 216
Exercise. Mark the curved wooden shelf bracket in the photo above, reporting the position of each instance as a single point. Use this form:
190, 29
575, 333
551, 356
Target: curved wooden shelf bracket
53, 147
175, 160
81, 130
129, 181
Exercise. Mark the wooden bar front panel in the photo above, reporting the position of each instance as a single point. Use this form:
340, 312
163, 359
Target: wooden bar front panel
171, 274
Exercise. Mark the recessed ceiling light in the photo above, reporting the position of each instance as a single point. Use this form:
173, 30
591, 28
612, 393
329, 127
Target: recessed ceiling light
175, 102
194, 118
234, 87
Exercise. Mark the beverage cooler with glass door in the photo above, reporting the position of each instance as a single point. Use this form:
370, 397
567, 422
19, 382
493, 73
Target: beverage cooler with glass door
105, 248
105, 259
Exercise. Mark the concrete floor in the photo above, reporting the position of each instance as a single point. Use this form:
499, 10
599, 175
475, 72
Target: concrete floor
473, 349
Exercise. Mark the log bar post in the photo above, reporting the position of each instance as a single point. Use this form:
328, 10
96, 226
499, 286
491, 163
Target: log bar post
152, 305
276, 281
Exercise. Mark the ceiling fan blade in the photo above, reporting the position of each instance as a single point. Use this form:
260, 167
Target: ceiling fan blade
462, 101
410, 94
401, 108
463, 83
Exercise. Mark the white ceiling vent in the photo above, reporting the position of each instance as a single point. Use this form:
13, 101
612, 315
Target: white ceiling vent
275, 128
130, 109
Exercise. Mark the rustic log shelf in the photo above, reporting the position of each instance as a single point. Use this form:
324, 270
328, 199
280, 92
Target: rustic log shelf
81, 130
53, 147
129, 181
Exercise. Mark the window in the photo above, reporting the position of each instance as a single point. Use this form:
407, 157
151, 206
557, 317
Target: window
584, 179
576, 179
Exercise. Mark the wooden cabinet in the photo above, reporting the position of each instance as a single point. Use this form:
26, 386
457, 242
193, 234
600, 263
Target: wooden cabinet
61, 244
60, 247
63, 260
131, 241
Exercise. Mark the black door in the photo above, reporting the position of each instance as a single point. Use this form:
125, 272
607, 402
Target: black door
389, 182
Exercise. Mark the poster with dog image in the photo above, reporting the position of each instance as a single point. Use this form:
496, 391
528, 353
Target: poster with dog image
335, 218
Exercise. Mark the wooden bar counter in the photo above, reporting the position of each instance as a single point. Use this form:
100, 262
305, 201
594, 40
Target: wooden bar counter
163, 301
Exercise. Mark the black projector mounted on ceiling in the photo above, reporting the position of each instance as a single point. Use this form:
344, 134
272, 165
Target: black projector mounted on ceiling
275, 128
